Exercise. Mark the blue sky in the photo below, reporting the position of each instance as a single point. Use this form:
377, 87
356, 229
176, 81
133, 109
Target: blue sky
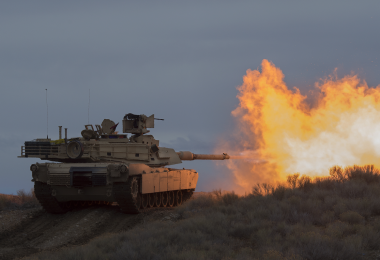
180, 60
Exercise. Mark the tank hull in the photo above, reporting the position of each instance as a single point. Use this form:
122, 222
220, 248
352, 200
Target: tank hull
58, 186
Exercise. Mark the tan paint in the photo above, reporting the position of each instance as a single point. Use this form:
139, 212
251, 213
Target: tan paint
168, 181
115, 158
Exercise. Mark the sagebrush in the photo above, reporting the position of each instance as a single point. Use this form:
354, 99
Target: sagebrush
22, 200
335, 217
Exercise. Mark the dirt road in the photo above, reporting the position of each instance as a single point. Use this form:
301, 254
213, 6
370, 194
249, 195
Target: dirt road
42, 231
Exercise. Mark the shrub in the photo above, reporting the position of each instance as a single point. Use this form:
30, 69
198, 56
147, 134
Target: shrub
5, 201
354, 189
267, 188
320, 218
368, 173
23, 199
337, 230
305, 183
313, 245
279, 192
27, 197
292, 180
371, 238
230, 198
241, 231
351, 217
217, 193
375, 207
337, 173
325, 183
282, 229
340, 207
273, 255
327, 217
257, 190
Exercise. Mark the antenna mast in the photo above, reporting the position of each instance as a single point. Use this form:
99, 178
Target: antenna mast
47, 117
88, 106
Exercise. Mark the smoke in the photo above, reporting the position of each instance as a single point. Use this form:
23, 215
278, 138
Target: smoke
280, 131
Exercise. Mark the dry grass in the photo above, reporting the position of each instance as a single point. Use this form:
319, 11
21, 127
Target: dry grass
22, 200
325, 218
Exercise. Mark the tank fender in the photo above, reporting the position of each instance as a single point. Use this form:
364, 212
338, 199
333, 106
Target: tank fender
165, 179
39, 172
138, 169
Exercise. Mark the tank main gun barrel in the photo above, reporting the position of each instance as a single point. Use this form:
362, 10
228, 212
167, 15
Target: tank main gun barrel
189, 156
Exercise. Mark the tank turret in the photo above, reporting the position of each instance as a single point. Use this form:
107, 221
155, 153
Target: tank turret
105, 166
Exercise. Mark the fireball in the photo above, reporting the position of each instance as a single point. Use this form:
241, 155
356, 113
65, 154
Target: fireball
280, 133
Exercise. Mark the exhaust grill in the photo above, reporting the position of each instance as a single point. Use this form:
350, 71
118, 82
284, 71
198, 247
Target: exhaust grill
88, 176
59, 179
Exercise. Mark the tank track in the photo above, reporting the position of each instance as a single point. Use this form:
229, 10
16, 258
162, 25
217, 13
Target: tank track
187, 195
47, 201
123, 193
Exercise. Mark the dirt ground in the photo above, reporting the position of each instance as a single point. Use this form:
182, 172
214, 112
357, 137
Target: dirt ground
24, 232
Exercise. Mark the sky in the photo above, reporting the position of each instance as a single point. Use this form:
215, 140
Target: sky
178, 60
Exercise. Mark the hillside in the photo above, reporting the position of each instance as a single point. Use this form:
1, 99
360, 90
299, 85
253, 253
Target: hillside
325, 218
27, 229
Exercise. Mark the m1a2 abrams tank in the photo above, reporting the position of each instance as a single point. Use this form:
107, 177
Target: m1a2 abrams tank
103, 166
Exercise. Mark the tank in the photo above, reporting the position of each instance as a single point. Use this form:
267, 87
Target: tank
103, 167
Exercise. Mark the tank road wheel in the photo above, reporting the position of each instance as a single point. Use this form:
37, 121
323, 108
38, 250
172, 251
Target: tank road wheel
48, 202
164, 199
136, 196
157, 199
151, 200
171, 198
69, 205
144, 201
127, 195
178, 198
137, 200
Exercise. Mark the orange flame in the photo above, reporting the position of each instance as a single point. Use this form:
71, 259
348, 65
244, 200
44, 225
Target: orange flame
280, 133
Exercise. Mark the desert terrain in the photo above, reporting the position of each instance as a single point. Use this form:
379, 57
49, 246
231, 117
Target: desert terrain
26, 231
335, 217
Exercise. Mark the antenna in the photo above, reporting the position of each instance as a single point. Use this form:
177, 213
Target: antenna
47, 117
89, 98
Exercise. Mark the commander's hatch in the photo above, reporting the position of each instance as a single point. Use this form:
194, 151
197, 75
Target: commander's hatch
137, 124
